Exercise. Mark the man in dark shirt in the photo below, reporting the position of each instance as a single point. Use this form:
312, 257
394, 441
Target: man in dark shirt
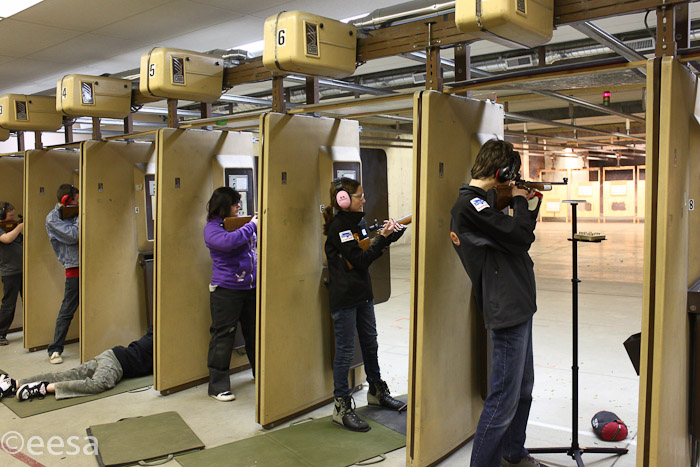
94, 376
10, 268
493, 248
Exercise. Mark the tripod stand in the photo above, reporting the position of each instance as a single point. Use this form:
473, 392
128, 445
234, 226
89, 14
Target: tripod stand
575, 451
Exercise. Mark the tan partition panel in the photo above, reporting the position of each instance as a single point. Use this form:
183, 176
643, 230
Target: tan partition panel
294, 373
672, 263
618, 192
112, 211
447, 333
44, 276
186, 176
585, 185
11, 190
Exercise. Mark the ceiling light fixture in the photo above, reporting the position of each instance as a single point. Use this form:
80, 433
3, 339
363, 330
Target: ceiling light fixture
8, 9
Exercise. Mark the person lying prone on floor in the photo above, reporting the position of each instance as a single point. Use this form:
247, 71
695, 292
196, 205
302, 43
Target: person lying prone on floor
92, 377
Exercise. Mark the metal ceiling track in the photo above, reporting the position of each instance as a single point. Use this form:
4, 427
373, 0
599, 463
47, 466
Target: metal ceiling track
610, 41
525, 118
420, 57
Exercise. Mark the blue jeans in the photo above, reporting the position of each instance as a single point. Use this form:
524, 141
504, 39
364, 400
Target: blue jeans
65, 314
502, 425
345, 321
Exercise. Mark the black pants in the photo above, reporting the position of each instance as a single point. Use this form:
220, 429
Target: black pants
12, 286
228, 307
65, 314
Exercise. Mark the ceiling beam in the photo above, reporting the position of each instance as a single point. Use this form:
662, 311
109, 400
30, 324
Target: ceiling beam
567, 11
338, 84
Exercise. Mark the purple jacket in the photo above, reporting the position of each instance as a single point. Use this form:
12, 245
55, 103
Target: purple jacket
235, 261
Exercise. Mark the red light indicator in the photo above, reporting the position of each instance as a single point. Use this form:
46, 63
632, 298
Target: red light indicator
606, 98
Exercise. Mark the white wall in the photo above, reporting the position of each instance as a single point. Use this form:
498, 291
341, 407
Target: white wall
399, 169
564, 162
48, 139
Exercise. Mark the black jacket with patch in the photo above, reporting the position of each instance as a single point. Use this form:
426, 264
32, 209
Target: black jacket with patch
493, 247
349, 287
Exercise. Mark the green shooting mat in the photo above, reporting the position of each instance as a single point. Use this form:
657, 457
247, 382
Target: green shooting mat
49, 403
132, 440
317, 443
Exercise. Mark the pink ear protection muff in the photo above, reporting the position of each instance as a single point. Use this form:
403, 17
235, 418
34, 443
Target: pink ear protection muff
342, 197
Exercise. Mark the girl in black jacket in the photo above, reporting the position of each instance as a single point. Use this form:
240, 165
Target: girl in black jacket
351, 299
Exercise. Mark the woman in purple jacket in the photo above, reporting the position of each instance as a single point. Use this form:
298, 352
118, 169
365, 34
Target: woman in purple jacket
232, 287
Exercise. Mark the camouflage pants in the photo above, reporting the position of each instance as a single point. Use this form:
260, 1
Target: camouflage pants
92, 377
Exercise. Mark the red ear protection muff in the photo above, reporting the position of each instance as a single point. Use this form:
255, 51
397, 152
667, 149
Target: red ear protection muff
67, 199
342, 197
509, 172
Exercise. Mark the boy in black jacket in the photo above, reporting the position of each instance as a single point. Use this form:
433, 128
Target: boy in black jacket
493, 248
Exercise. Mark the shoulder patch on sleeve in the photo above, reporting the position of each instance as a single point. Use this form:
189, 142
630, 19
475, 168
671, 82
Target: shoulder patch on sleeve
346, 236
479, 204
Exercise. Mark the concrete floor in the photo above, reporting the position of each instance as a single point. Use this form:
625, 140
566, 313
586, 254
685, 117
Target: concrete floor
610, 310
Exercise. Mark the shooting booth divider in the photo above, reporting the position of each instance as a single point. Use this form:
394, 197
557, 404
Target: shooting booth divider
44, 276
190, 165
112, 235
12, 183
448, 339
294, 347
671, 261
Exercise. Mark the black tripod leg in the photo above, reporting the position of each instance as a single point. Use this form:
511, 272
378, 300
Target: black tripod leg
549, 450
576, 455
618, 451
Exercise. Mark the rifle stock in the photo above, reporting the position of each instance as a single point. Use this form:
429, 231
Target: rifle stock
70, 211
505, 192
9, 225
234, 223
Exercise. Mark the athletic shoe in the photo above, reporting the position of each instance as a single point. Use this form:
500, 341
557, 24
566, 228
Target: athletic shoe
32, 391
8, 386
55, 358
3, 340
227, 396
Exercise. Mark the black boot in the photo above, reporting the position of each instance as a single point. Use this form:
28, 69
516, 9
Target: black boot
379, 395
344, 415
